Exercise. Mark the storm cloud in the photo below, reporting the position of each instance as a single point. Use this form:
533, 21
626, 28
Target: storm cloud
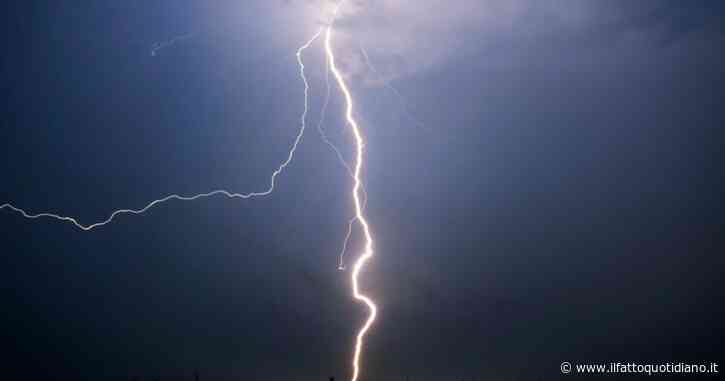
404, 38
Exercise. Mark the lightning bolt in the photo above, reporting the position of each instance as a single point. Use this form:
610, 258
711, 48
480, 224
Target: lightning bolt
358, 191
219, 192
403, 103
368, 252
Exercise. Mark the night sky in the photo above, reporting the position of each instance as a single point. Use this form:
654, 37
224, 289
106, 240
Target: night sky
544, 188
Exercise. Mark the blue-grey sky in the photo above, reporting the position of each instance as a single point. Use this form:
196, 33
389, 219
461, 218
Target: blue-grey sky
543, 188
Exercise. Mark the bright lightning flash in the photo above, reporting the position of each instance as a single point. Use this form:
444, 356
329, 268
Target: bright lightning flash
356, 195
358, 191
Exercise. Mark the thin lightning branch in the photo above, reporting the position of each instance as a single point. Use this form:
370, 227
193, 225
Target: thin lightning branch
341, 264
222, 192
356, 194
343, 251
388, 85
369, 64
350, 223
156, 47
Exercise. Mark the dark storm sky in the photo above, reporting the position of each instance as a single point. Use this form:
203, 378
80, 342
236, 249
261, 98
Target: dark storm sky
561, 201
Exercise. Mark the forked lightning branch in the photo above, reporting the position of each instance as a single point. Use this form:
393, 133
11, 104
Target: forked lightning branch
357, 186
